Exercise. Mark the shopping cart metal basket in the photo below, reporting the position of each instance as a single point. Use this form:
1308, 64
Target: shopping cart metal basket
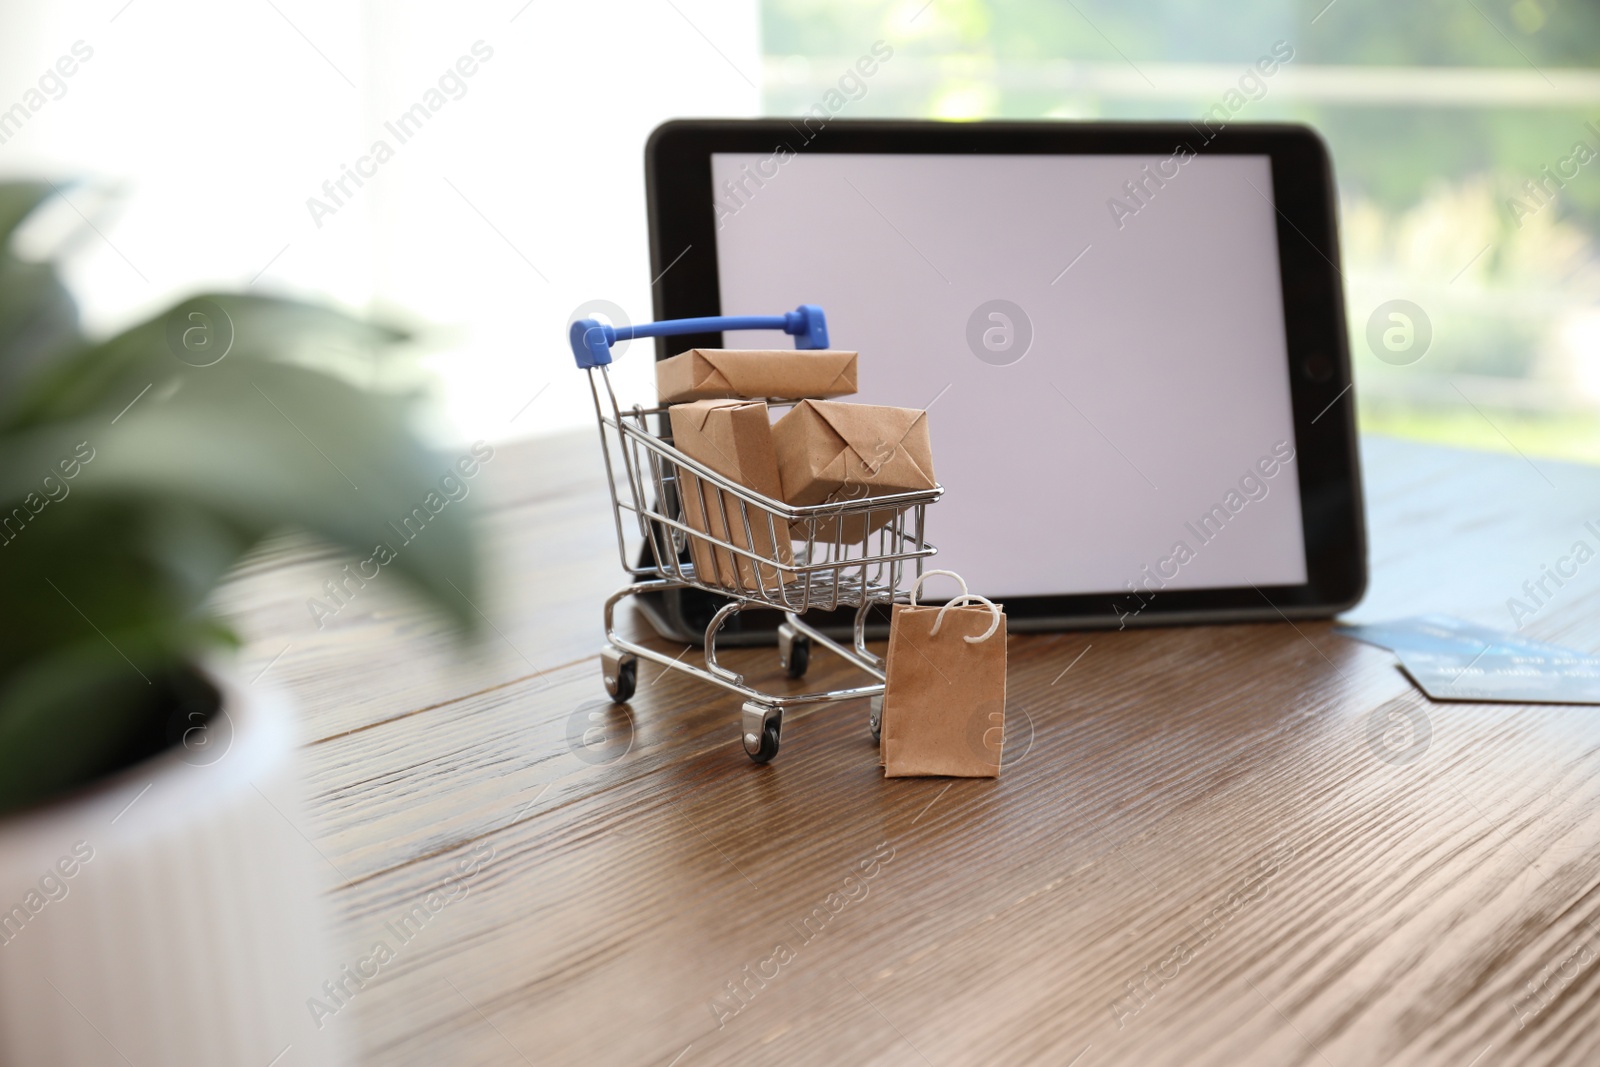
793, 559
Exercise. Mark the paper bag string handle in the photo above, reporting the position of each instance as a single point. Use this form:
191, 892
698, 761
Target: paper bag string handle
994, 621
964, 598
925, 575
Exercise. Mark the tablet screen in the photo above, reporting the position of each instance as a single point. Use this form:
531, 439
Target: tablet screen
1099, 341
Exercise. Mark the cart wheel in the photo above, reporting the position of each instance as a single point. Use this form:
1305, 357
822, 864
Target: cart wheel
875, 719
768, 747
794, 650
621, 672
762, 727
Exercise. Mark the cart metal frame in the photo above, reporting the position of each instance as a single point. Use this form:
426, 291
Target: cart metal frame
811, 564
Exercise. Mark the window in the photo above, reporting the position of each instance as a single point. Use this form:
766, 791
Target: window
1465, 136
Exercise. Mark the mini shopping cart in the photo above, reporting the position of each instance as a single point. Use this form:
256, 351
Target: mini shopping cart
802, 561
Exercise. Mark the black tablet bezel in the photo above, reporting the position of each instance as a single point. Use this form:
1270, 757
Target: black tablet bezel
683, 261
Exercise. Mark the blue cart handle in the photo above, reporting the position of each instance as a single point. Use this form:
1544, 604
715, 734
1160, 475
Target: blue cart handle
592, 339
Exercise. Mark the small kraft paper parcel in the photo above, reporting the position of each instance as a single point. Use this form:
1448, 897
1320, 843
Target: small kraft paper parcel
944, 699
725, 373
831, 453
733, 438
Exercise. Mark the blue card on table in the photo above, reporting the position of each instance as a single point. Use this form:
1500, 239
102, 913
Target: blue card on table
1513, 677
1443, 634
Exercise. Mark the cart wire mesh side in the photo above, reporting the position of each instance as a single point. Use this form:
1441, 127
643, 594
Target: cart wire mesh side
706, 531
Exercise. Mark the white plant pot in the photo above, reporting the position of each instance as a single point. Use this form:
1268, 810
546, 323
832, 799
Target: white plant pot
169, 915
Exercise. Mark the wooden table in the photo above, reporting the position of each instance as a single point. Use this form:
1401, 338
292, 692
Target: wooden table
1195, 855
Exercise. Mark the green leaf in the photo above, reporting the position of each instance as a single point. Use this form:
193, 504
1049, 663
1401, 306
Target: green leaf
132, 478
18, 200
255, 329
38, 321
264, 447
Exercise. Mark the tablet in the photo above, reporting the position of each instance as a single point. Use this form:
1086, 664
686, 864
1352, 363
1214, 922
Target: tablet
1129, 339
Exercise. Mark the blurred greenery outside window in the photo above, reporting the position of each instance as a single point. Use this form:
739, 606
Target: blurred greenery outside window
1439, 113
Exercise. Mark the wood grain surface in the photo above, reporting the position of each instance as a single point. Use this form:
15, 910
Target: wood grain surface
1196, 854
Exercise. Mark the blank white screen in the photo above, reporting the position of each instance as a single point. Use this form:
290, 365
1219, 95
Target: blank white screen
1157, 375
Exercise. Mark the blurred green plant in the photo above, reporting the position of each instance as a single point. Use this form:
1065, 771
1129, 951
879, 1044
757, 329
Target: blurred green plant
131, 480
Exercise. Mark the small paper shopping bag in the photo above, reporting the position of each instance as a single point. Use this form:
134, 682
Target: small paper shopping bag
944, 698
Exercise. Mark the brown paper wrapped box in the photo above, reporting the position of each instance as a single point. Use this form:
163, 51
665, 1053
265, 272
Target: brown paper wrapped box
721, 373
944, 701
828, 453
733, 438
